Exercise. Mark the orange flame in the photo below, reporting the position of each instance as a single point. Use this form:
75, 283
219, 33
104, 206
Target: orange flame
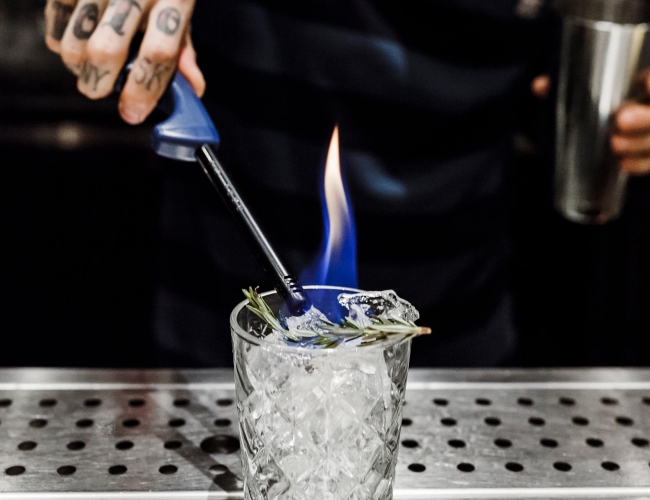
336, 262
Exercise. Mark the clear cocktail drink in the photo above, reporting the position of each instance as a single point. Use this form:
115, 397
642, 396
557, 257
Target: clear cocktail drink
317, 423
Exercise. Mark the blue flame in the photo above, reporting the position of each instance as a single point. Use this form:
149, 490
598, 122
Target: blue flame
336, 262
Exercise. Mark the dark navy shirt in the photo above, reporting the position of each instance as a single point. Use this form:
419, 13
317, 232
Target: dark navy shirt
425, 93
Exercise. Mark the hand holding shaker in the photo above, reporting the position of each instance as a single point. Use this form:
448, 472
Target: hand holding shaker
605, 47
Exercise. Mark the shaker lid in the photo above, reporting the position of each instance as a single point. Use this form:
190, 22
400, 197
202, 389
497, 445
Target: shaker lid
615, 11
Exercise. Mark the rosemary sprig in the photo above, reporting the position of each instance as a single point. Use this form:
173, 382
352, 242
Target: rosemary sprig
329, 334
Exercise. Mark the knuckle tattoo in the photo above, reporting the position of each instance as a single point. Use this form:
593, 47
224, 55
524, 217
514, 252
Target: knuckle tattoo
169, 20
62, 14
123, 9
86, 21
91, 75
152, 75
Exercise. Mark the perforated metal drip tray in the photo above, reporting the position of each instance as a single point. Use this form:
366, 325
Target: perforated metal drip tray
466, 434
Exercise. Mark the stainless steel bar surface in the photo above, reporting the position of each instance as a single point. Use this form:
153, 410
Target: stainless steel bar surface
102, 434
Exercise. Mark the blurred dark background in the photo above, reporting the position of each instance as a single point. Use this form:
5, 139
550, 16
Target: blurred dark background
79, 210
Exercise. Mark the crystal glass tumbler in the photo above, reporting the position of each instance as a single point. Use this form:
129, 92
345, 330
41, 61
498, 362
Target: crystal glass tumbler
317, 423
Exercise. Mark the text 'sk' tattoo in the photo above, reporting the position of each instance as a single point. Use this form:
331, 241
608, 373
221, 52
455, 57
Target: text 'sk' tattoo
86, 21
62, 13
91, 74
169, 20
122, 12
151, 75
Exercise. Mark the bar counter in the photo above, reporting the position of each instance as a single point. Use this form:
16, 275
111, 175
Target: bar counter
172, 434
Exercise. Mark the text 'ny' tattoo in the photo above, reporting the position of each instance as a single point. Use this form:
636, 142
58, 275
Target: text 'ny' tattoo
86, 21
122, 10
152, 75
91, 74
169, 20
62, 13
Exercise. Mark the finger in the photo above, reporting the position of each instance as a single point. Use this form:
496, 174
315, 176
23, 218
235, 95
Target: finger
633, 118
187, 65
83, 23
541, 86
108, 46
636, 165
626, 144
57, 16
156, 60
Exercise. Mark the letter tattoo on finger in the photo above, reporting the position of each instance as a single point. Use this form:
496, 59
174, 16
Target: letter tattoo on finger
86, 21
122, 11
169, 20
151, 75
62, 13
91, 74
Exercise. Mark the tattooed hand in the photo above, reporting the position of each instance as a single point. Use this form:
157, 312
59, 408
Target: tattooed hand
93, 39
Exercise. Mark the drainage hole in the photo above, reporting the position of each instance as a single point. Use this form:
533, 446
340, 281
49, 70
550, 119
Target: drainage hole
624, 421
503, 443
405, 422
176, 422
47, 403
562, 466
611, 466
27, 445
493, 421
580, 421
218, 468
5, 402
609, 401
514, 467
465, 467
180, 402
92, 402
225, 422
173, 445
16, 470
548, 443
220, 444
116, 470
483, 401
448, 422
525, 401
124, 445
76, 445
440, 402
537, 421
417, 467
224, 402
168, 469
640, 442
137, 402
595, 443
410, 443
84, 422
38, 423
646, 401
567, 401
131, 422
66, 470
456, 443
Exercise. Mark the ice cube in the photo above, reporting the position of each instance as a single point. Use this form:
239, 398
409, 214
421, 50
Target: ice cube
311, 320
384, 304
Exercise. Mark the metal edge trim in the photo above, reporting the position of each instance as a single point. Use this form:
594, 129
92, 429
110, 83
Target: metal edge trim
410, 386
126, 495
577, 492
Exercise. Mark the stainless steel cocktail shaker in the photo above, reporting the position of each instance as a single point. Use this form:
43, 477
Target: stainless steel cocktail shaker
605, 47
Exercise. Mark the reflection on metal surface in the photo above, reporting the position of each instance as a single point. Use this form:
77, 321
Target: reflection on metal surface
466, 434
